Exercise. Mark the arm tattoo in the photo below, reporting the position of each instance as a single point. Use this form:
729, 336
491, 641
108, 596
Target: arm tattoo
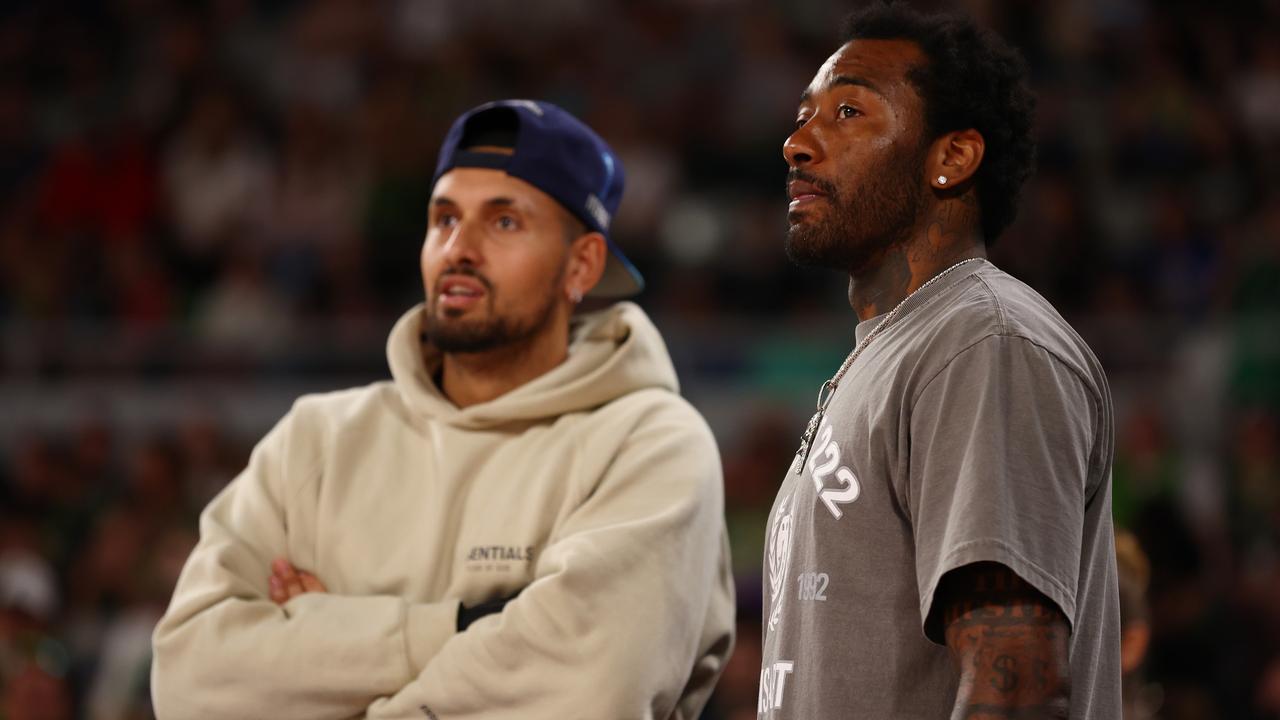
1009, 643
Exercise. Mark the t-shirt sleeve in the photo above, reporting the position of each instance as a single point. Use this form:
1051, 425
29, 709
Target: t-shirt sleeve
1000, 444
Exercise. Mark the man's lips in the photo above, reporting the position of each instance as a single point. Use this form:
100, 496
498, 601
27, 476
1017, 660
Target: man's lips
460, 291
802, 192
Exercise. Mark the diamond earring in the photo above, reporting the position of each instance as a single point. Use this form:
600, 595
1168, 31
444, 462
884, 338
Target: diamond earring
942, 180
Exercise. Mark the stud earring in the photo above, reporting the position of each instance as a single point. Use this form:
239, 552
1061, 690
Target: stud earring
942, 179
575, 295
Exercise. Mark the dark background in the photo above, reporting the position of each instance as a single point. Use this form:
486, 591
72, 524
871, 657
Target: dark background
209, 208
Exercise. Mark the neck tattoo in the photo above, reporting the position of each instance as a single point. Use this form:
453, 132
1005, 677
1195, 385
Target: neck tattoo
828, 388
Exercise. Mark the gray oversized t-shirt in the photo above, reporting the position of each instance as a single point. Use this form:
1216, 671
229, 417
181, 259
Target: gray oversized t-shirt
976, 428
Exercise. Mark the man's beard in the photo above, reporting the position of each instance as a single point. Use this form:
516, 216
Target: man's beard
860, 224
459, 335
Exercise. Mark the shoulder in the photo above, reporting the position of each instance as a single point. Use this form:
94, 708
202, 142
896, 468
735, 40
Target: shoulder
991, 306
653, 412
664, 446
663, 405
318, 414
1025, 313
297, 446
655, 434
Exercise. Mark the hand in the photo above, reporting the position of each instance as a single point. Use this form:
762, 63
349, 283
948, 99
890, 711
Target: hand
287, 582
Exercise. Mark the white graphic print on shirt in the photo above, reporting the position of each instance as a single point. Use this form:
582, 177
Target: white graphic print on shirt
773, 683
779, 552
827, 450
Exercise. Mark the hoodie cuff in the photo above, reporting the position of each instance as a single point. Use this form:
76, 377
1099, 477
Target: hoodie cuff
427, 627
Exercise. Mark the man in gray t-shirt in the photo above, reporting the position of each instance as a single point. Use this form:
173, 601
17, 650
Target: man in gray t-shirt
942, 545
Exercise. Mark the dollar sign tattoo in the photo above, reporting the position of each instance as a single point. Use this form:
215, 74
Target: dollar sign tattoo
1007, 668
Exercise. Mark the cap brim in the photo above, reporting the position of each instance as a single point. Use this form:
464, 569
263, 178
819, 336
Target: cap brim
620, 278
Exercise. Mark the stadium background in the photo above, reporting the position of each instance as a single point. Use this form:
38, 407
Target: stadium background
209, 208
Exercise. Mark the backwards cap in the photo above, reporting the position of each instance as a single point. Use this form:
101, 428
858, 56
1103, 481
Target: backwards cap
556, 153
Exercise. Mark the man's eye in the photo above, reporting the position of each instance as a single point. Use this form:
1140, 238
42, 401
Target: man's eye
800, 122
446, 220
847, 111
506, 222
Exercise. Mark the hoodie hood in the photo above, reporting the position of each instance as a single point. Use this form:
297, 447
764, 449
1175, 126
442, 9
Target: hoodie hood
612, 352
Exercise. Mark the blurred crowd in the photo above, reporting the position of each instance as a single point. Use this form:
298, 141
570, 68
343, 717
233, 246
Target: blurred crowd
228, 194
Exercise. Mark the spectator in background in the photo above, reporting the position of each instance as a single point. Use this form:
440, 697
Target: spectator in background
215, 177
120, 686
1147, 466
242, 313
315, 202
29, 602
1140, 701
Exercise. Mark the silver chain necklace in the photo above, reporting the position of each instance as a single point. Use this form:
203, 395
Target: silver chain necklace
828, 388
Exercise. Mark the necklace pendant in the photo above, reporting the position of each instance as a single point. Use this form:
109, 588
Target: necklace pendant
806, 441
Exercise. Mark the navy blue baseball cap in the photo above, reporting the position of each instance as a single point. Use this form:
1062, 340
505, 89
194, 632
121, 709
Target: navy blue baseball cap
556, 153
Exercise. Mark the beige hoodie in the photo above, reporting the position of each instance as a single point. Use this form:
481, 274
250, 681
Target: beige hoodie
593, 490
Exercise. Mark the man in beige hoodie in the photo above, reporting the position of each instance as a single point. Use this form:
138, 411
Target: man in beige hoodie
525, 522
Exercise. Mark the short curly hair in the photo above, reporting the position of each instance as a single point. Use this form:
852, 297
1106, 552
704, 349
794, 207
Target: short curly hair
972, 79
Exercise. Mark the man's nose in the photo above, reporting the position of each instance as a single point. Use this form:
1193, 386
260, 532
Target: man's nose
464, 245
801, 147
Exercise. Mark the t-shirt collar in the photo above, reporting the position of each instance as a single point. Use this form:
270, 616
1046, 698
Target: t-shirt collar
914, 301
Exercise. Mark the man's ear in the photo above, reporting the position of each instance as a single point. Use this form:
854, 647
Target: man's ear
587, 255
954, 158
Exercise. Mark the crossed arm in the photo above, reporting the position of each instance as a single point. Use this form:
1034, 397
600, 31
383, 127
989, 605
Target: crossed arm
651, 527
287, 582
1009, 643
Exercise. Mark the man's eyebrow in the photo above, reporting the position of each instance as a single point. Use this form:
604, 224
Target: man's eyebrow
499, 201
844, 80
856, 80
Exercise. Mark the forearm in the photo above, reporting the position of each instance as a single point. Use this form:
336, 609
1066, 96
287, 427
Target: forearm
225, 649
1009, 645
322, 656
316, 655
1007, 682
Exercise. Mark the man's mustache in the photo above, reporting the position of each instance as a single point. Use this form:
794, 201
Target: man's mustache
469, 272
794, 174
